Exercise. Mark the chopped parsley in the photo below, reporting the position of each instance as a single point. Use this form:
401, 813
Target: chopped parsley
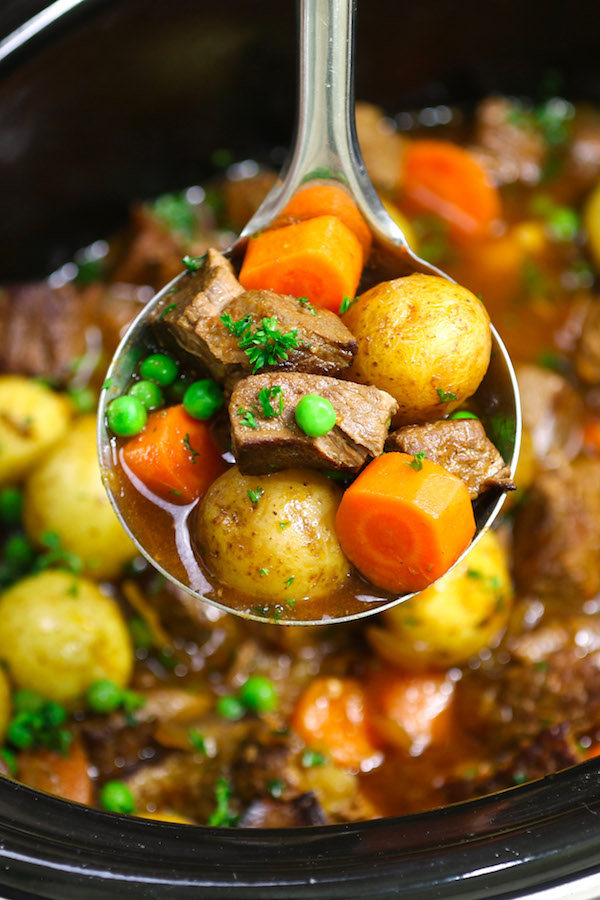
107, 384
288, 581
193, 263
194, 453
275, 787
256, 495
417, 461
197, 741
304, 301
236, 328
263, 572
290, 602
174, 211
346, 303
222, 815
267, 345
445, 396
283, 525
312, 758
248, 418
167, 310
265, 396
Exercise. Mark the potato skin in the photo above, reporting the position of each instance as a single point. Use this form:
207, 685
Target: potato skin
5, 703
65, 495
416, 335
453, 619
59, 633
239, 538
32, 419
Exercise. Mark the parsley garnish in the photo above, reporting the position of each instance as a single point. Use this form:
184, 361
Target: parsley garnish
283, 525
304, 301
107, 384
312, 758
445, 396
255, 495
188, 446
275, 787
265, 395
288, 581
197, 741
263, 572
417, 461
236, 328
267, 345
248, 418
346, 303
167, 310
174, 211
290, 602
222, 816
193, 263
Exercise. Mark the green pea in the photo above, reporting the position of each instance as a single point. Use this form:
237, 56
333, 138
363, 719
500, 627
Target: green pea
11, 505
159, 368
315, 415
148, 393
126, 416
104, 696
27, 701
18, 553
258, 694
178, 388
463, 414
203, 399
230, 708
116, 797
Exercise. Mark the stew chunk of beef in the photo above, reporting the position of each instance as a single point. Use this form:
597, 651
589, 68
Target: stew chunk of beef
461, 447
276, 441
323, 343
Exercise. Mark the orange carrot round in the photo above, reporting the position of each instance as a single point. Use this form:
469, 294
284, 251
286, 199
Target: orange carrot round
331, 715
175, 455
65, 776
411, 711
328, 200
404, 522
447, 180
319, 258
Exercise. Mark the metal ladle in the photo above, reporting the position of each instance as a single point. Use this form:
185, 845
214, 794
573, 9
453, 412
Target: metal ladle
325, 146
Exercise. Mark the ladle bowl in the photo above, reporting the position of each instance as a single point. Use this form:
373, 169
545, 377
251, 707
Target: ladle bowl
325, 147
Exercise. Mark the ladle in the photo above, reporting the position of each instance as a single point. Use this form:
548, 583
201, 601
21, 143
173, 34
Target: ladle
325, 146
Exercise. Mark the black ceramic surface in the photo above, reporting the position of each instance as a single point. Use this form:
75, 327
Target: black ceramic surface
123, 99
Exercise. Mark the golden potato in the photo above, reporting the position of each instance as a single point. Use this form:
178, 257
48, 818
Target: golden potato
591, 222
59, 633
32, 418
281, 547
450, 621
420, 338
65, 495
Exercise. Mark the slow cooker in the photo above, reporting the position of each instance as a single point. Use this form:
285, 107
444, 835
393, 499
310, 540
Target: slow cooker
106, 101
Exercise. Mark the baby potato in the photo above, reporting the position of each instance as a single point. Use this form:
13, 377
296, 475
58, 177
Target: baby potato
32, 418
420, 338
5, 704
59, 633
273, 536
65, 495
453, 619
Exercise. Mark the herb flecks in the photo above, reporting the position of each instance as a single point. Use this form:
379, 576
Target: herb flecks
255, 495
445, 396
222, 815
417, 461
267, 345
237, 328
304, 302
346, 303
193, 453
283, 525
193, 263
266, 396
288, 582
248, 418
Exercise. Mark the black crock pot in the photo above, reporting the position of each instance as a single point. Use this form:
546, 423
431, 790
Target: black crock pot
105, 101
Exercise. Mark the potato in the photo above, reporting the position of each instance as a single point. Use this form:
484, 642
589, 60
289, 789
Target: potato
5, 704
449, 622
65, 495
32, 418
418, 336
284, 546
59, 633
591, 222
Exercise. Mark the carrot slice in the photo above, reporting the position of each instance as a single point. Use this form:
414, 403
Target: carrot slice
174, 456
411, 711
403, 527
331, 715
65, 776
447, 180
320, 259
328, 200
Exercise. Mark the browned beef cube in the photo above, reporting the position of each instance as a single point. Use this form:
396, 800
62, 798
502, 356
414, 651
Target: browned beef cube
325, 346
461, 447
276, 442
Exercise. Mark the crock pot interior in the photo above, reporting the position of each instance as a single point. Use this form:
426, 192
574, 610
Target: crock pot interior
123, 100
